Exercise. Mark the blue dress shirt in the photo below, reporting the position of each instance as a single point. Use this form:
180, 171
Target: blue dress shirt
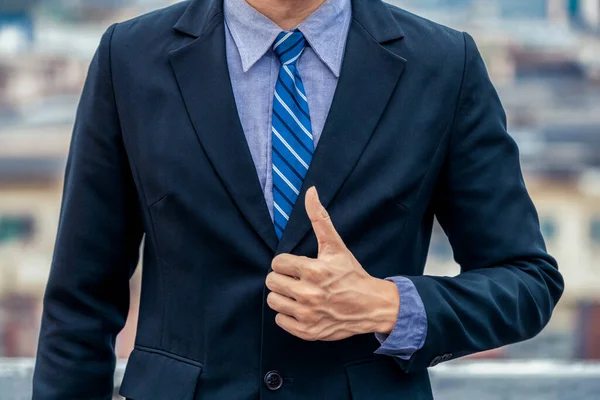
253, 69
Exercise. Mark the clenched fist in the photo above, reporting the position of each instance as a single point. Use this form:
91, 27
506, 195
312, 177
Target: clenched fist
331, 297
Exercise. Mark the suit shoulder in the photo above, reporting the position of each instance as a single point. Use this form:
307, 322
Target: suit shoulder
424, 30
152, 24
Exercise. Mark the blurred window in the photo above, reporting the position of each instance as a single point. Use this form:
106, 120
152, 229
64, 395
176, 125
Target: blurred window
524, 9
16, 227
549, 228
595, 230
573, 7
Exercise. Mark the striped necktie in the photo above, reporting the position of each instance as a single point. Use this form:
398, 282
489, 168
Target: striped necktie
292, 133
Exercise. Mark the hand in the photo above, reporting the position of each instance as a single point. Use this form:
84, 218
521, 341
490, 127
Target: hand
331, 297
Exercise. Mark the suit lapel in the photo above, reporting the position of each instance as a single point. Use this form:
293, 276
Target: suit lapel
201, 71
367, 80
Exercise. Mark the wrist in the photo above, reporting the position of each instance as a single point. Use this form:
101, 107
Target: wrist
387, 306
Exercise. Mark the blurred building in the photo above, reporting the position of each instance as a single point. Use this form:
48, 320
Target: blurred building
16, 23
586, 12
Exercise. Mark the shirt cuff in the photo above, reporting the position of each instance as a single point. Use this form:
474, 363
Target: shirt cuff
410, 330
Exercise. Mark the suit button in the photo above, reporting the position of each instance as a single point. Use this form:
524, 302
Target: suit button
446, 357
273, 380
435, 361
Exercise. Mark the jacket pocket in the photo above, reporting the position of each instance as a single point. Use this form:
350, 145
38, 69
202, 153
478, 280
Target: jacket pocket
153, 374
383, 379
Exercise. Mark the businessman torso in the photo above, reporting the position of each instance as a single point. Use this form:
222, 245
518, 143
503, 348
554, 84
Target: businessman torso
210, 223
388, 160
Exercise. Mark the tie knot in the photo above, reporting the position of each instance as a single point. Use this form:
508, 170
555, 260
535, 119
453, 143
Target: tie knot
288, 46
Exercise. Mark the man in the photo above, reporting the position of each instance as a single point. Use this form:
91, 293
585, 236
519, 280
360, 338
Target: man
285, 160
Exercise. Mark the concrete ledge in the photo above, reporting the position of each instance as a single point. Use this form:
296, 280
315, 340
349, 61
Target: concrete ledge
457, 380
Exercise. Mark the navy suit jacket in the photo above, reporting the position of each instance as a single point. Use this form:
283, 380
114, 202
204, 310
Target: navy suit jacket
415, 131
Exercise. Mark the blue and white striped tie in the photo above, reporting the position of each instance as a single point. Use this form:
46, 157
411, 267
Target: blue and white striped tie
292, 133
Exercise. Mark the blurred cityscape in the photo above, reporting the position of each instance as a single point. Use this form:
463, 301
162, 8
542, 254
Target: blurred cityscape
543, 56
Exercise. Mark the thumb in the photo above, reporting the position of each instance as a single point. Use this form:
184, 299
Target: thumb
327, 237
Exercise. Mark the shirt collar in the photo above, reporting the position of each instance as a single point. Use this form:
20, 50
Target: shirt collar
325, 30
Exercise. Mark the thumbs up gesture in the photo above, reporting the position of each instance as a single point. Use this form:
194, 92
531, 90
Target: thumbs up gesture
331, 297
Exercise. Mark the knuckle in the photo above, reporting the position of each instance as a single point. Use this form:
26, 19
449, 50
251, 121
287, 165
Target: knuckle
304, 295
312, 274
300, 294
314, 297
324, 214
321, 216
311, 334
303, 315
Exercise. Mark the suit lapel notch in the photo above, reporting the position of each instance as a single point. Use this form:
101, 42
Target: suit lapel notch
198, 16
376, 18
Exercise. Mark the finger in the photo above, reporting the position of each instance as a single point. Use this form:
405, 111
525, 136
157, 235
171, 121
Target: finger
289, 324
291, 265
327, 236
282, 284
283, 304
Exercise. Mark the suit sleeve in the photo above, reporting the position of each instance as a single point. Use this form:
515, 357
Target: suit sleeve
97, 248
508, 285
